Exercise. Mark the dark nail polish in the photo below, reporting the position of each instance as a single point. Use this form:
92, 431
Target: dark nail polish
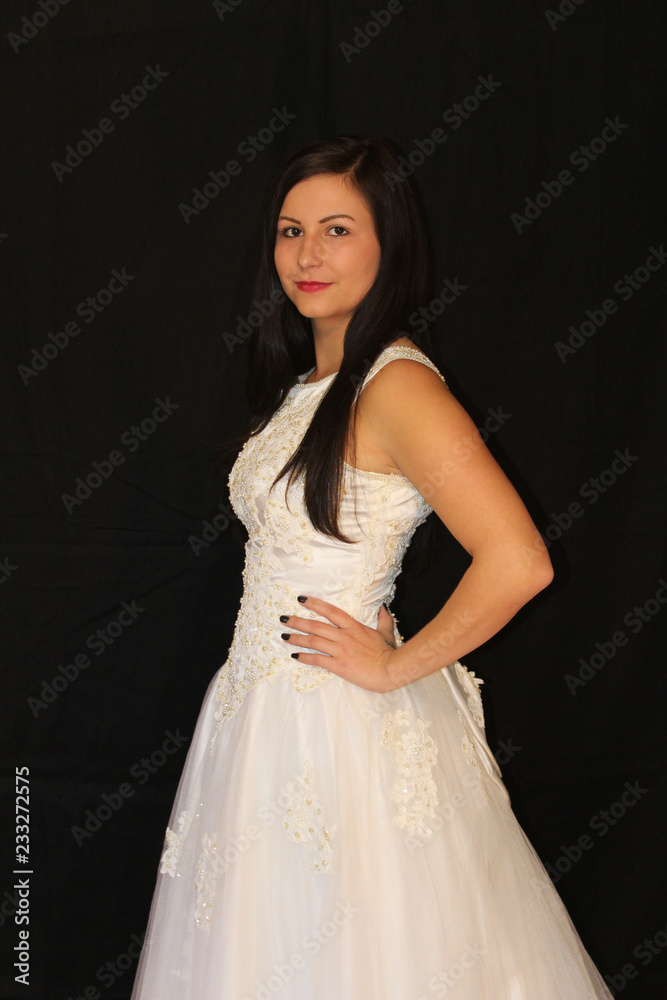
295, 656
285, 635
284, 618
302, 599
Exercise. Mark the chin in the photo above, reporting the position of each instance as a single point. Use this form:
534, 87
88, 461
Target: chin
310, 310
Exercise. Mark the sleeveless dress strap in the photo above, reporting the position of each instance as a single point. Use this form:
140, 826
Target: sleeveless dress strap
391, 353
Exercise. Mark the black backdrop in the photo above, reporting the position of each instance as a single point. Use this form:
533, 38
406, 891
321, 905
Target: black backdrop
534, 136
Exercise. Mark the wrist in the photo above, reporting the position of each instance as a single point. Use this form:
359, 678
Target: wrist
397, 668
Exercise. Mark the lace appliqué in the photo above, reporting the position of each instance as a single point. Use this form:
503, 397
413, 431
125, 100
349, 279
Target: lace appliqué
471, 686
414, 754
278, 527
469, 748
205, 880
303, 820
169, 860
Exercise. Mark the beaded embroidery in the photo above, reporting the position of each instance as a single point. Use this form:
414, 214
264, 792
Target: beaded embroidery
169, 860
303, 819
471, 685
205, 880
279, 531
469, 748
414, 753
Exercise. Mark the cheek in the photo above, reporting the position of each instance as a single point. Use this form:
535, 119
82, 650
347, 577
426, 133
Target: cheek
281, 265
369, 256
370, 269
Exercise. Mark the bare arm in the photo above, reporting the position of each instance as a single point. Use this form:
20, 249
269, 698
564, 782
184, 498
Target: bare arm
435, 444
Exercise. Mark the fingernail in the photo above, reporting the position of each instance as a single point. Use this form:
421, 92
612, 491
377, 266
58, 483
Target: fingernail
284, 635
302, 599
284, 618
295, 656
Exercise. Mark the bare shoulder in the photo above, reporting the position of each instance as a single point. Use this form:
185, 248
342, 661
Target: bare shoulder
403, 398
402, 380
416, 423
399, 386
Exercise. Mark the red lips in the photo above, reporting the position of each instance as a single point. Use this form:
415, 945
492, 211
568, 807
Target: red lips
312, 286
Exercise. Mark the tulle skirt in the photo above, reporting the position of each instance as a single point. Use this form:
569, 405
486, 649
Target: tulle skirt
338, 844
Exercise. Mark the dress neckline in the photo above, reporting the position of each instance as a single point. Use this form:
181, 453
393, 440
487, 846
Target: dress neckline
353, 470
401, 348
320, 381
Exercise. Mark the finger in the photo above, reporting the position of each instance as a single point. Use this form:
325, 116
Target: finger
314, 660
311, 626
330, 611
316, 642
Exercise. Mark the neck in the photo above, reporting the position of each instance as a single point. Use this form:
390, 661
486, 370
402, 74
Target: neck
328, 345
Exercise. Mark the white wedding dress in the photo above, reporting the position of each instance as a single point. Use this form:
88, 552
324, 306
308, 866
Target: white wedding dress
331, 843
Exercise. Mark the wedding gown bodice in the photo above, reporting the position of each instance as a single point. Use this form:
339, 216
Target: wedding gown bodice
285, 556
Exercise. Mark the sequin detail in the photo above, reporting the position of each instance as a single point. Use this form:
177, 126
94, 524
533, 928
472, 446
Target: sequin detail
174, 839
414, 753
281, 539
303, 819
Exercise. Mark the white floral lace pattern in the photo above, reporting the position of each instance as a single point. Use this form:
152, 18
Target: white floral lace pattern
414, 753
206, 879
303, 820
282, 538
169, 860
471, 686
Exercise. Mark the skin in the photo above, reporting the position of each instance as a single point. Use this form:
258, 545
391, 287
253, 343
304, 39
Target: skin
343, 251
409, 424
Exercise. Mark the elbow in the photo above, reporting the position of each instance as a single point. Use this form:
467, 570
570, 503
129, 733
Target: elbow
521, 578
538, 575
518, 572
532, 565
542, 578
522, 588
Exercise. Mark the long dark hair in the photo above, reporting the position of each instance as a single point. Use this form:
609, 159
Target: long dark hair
283, 347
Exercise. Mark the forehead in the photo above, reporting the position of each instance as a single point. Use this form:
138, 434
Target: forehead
325, 194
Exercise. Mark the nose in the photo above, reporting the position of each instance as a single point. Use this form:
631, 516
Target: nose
310, 252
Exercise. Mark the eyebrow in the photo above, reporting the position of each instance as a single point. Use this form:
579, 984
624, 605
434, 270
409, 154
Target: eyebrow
326, 219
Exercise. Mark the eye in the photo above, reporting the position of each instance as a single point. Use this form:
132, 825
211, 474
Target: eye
342, 231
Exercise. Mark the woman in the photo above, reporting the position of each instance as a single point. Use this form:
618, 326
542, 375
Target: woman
341, 830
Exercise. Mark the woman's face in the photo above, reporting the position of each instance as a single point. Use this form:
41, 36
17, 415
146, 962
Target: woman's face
326, 241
